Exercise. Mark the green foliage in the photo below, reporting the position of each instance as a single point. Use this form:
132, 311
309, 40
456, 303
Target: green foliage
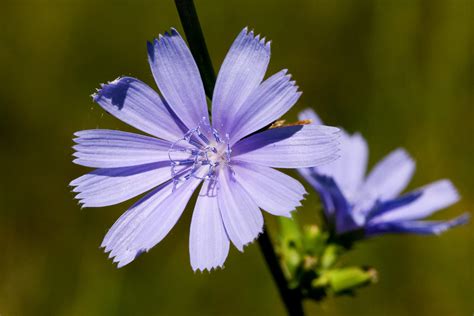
311, 262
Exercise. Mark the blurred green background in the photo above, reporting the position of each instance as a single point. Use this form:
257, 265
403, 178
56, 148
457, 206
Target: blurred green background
399, 71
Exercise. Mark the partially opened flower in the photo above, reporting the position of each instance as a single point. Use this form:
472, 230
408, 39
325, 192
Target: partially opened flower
230, 157
372, 204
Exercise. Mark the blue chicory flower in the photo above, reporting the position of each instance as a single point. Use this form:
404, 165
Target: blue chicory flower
372, 204
230, 157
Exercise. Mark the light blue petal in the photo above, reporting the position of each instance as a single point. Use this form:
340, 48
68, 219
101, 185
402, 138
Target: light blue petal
273, 98
101, 148
147, 222
178, 79
390, 205
342, 218
208, 241
109, 186
240, 74
386, 180
433, 197
289, 147
349, 170
135, 103
242, 218
272, 190
310, 175
417, 227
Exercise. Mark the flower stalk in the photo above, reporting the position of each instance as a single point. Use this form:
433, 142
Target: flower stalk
197, 44
187, 13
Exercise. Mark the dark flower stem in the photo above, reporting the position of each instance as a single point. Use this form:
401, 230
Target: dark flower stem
187, 13
291, 297
197, 44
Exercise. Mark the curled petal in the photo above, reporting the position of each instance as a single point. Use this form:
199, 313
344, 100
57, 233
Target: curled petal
135, 103
417, 227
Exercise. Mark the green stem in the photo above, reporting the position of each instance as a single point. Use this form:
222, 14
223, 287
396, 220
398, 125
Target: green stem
187, 13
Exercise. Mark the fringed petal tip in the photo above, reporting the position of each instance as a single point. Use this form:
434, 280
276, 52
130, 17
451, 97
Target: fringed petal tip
172, 32
293, 211
122, 258
82, 203
290, 213
242, 248
203, 269
169, 33
250, 35
108, 90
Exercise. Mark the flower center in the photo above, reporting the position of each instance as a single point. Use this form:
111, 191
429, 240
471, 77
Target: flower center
201, 153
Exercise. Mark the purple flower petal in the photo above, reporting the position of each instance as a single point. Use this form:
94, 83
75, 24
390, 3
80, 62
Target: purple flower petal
242, 218
389, 205
272, 190
349, 170
241, 73
273, 98
416, 227
178, 79
208, 241
147, 222
386, 180
135, 103
343, 219
310, 175
103, 187
101, 148
434, 196
289, 147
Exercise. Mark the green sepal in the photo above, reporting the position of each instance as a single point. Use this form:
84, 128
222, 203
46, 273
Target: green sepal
331, 256
346, 280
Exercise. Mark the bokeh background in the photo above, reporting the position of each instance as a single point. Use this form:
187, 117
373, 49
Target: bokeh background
399, 71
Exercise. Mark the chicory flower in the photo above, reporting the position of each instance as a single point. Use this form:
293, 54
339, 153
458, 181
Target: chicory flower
230, 157
372, 204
